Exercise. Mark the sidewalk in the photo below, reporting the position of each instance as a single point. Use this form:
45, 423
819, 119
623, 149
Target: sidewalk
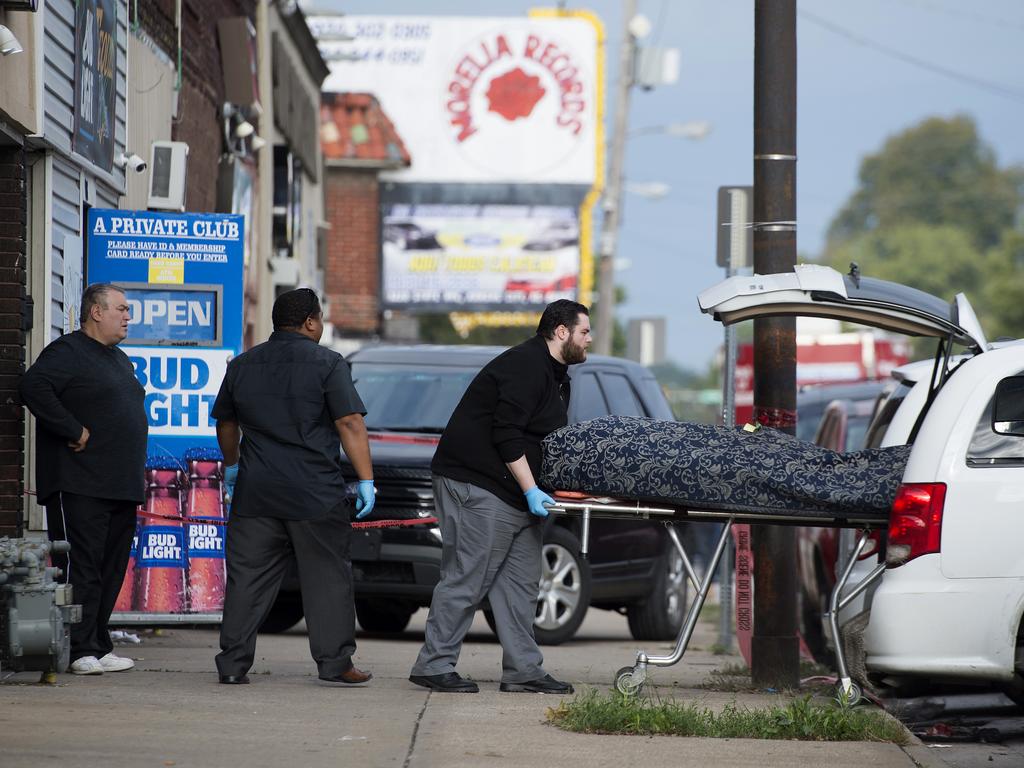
170, 711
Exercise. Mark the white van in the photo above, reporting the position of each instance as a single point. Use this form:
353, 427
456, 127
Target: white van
950, 603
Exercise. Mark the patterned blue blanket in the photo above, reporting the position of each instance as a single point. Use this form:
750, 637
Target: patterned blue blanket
699, 466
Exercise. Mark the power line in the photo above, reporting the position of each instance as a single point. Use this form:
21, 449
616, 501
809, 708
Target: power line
930, 5
996, 88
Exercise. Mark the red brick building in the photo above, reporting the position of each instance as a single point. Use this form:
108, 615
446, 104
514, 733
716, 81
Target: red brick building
359, 141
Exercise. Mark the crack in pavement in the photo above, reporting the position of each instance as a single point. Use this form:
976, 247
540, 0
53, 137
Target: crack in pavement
416, 730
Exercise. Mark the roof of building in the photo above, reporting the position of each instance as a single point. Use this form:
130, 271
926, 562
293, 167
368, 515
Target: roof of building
355, 132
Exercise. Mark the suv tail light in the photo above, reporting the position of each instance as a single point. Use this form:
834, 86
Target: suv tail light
915, 522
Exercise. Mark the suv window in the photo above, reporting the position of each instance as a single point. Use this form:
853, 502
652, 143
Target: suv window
403, 398
621, 397
587, 400
654, 399
990, 449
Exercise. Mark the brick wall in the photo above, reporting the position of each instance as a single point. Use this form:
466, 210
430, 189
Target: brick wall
202, 88
13, 211
352, 273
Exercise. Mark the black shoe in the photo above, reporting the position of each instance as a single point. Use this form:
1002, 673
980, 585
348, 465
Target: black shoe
351, 677
546, 684
449, 682
234, 679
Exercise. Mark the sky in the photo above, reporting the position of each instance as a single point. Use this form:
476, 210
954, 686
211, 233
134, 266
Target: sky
866, 70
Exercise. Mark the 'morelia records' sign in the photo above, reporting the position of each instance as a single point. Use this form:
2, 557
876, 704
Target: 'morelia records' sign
476, 99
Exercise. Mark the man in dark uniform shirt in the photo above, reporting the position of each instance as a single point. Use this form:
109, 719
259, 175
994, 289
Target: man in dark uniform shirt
90, 463
292, 404
490, 508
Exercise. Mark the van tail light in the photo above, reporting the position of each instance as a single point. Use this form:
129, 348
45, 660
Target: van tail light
915, 522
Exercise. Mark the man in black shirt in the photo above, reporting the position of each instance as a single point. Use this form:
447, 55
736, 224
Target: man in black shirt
490, 508
90, 463
292, 404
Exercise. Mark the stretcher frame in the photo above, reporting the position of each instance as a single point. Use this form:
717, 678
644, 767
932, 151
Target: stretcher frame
630, 680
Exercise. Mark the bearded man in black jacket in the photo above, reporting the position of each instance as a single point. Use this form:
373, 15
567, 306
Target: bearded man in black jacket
490, 509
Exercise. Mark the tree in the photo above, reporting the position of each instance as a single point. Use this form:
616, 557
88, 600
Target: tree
1004, 297
940, 260
933, 210
938, 172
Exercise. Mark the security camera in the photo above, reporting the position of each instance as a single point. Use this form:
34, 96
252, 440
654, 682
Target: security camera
132, 161
8, 42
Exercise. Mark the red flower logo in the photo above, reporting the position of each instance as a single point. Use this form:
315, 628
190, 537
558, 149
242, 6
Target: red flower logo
514, 94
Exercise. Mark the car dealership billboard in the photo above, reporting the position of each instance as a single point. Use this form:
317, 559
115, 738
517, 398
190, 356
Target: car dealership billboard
481, 257
509, 100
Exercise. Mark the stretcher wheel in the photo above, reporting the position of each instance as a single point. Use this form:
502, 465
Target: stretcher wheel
629, 681
852, 698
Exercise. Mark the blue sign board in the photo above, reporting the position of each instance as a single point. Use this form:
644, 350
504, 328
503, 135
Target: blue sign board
183, 276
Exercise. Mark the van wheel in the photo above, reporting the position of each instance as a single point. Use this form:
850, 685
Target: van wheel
381, 616
1015, 688
284, 614
810, 630
660, 616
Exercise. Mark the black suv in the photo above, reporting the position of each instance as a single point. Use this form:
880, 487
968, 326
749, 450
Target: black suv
410, 393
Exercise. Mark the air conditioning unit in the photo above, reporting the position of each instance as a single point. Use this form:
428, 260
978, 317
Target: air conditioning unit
168, 161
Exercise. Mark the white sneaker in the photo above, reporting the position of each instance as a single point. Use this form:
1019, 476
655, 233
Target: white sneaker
113, 663
87, 665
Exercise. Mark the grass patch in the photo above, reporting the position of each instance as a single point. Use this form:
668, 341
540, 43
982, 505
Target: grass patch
802, 720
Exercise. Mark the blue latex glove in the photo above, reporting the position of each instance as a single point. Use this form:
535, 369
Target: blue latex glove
230, 478
365, 498
536, 499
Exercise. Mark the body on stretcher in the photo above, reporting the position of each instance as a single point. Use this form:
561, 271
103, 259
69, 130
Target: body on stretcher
630, 680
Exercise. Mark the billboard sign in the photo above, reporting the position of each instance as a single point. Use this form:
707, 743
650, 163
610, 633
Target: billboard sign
95, 80
479, 257
182, 276
512, 100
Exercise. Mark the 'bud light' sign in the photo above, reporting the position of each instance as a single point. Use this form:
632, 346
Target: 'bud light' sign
205, 540
161, 547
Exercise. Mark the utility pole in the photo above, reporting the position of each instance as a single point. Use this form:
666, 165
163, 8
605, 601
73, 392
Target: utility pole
613, 193
774, 649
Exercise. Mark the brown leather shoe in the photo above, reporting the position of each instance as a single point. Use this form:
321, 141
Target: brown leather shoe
350, 677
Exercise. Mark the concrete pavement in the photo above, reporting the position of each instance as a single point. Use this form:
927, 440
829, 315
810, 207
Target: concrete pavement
170, 711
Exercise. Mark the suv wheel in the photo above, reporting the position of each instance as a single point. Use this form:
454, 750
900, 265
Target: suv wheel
564, 594
284, 614
384, 616
661, 615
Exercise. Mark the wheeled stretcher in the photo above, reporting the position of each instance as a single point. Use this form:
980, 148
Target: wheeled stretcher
630, 680
628, 467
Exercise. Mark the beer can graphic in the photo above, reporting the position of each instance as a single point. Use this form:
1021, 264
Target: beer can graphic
205, 527
126, 597
161, 554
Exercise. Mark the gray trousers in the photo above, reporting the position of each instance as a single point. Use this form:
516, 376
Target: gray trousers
489, 549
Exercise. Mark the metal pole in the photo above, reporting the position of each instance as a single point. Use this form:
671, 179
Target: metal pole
613, 194
774, 648
729, 420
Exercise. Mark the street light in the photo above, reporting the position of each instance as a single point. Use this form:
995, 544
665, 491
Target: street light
694, 130
653, 70
650, 190
691, 129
